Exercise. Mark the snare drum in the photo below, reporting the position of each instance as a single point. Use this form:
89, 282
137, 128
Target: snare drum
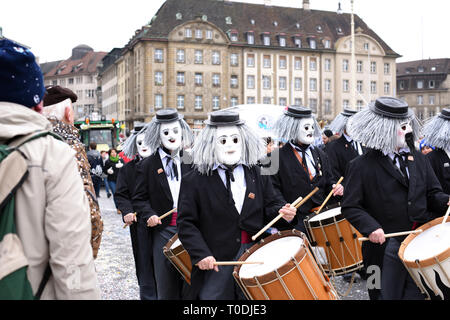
426, 256
178, 256
340, 251
289, 270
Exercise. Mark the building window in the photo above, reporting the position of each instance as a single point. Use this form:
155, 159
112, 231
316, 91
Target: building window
366, 46
188, 33
198, 105
312, 64
387, 68
431, 99
198, 79
54, 82
327, 44
158, 101
159, 55
312, 43
327, 65
298, 84
250, 60
359, 86
209, 34
283, 102
387, 88
250, 38
431, 84
327, 85
158, 78
90, 93
70, 80
312, 84
234, 81
345, 103
180, 78
345, 65
298, 42
282, 41
198, 56
180, 101
234, 60
79, 80
373, 87
298, 63
234, 101
373, 67
266, 61
313, 105
216, 57
282, 62
420, 69
345, 85
420, 100
298, 101
402, 85
327, 106
216, 79
359, 105
359, 66
250, 82
216, 103
266, 40
251, 100
180, 56
267, 100
234, 36
419, 84
266, 82
198, 34
431, 113
282, 83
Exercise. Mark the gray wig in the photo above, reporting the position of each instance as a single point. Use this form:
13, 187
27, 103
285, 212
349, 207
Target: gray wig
204, 151
437, 132
337, 126
129, 147
379, 132
152, 135
288, 128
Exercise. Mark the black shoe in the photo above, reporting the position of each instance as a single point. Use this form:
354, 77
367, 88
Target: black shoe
109, 195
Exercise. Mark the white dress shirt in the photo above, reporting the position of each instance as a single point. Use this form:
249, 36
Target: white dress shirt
174, 184
391, 155
238, 186
356, 145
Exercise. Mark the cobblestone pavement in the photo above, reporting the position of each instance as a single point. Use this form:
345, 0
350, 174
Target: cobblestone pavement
115, 262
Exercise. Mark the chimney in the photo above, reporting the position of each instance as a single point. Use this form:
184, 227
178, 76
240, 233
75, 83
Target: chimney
305, 4
339, 10
267, 3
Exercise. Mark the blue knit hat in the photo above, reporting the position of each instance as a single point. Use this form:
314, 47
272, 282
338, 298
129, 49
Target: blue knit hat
21, 79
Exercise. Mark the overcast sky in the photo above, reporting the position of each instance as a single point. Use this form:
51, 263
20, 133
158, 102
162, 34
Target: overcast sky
415, 29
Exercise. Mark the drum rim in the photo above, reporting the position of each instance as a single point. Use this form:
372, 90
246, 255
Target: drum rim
425, 262
283, 269
324, 222
168, 252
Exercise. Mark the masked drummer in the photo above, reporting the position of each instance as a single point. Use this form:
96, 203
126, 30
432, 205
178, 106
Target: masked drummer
141, 241
302, 166
158, 183
437, 134
223, 202
390, 189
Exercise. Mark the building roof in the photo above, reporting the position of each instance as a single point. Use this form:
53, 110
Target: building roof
429, 66
109, 59
290, 21
87, 64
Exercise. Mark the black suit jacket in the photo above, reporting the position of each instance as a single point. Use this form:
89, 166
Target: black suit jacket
126, 183
210, 225
440, 163
292, 180
377, 196
340, 152
152, 195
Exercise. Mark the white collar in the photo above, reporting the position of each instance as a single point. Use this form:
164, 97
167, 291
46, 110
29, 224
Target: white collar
392, 154
348, 138
164, 154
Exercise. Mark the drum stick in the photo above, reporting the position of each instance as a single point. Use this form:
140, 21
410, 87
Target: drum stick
446, 215
233, 263
126, 225
396, 234
297, 203
167, 213
328, 197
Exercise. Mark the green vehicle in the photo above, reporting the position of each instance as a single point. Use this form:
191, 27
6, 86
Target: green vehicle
105, 133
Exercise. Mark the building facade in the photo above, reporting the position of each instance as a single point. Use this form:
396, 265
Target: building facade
224, 53
79, 74
108, 84
425, 85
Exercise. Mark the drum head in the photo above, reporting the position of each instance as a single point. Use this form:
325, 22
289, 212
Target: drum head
326, 217
274, 254
175, 244
429, 243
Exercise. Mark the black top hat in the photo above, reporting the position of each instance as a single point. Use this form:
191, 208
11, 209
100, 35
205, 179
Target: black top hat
138, 127
168, 115
224, 118
391, 108
298, 112
445, 114
348, 112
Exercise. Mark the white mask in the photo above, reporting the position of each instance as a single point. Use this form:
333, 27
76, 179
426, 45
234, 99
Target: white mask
143, 149
228, 145
403, 129
306, 134
170, 134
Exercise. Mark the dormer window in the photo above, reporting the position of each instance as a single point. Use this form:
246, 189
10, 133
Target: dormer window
179, 16
339, 30
252, 21
228, 20
275, 23
319, 29
420, 69
234, 35
266, 39
298, 41
297, 25
312, 43
433, 68
250, 37
282, 39
327, 44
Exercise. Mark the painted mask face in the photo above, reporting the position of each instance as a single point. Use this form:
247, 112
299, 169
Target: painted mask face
170, 134
228, 145
143, 149
402, 130
306, 134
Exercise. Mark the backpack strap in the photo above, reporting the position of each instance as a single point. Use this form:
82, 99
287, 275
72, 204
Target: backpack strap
45, 278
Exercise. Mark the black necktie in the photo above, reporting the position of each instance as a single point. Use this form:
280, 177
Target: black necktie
403, 164
171, 170
229, 177
302, 148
